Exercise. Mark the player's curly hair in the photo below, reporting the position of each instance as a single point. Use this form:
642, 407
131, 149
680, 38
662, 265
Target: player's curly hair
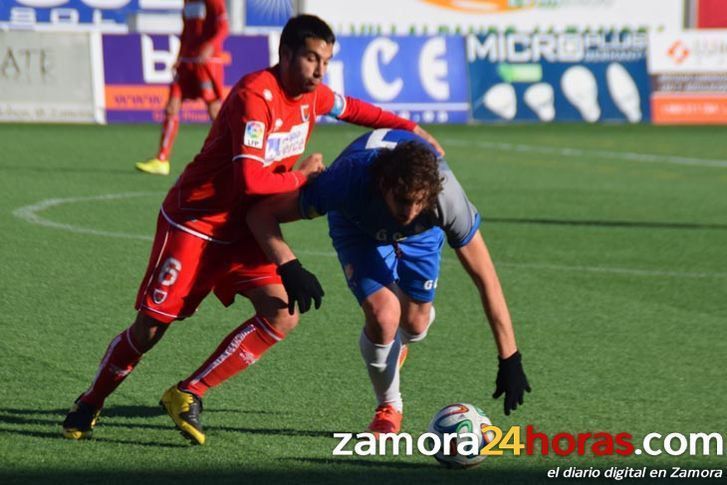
409, 169
302, 27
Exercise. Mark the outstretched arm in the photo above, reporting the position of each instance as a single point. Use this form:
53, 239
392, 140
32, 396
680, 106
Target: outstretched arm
264, 221
511, 379
475, 259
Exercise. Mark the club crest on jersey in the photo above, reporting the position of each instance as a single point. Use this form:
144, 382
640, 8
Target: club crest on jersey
305, 112
254, 134
159, 296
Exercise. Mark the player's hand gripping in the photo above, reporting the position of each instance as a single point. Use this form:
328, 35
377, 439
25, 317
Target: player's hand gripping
511, 381
301, 285
418, 130
312, 166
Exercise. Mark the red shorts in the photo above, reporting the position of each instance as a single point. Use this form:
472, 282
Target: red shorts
193, 81
183, 269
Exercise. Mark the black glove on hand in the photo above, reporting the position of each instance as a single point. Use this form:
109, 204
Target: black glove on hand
511, 381
301, 286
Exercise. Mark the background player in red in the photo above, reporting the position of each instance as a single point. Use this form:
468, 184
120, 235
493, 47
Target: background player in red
202, 242
198, 73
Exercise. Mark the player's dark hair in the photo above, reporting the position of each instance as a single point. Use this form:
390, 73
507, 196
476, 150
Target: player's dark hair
409, 169
302, 27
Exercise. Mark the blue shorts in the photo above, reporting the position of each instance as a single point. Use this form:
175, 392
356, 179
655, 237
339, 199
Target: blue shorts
369, 265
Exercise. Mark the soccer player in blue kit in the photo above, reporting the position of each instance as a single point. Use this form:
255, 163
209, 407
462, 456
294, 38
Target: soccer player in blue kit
391, 203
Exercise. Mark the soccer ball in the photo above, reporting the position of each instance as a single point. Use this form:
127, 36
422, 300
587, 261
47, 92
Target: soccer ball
460, 418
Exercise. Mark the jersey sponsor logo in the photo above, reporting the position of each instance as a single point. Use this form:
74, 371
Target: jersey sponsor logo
431, 284
195, 10
304, 112
288, 144
254, 134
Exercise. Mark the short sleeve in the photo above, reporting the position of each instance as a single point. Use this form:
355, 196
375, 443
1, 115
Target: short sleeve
458, 216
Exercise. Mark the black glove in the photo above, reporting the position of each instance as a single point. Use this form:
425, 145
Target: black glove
301, 285
511, 381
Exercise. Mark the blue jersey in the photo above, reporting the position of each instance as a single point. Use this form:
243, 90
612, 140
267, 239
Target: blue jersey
354, 205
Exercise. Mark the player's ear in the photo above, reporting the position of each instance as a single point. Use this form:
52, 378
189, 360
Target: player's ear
285, 54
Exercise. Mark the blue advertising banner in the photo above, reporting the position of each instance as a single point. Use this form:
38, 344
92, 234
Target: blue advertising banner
138, 69
423, 78
559, 77
67, 13
268, 13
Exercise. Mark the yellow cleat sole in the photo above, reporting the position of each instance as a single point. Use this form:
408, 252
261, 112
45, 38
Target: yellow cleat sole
74, 434
187, 431
153, 167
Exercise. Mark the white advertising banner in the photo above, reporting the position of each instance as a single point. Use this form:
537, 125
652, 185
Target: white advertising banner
689, 76
51, 77
465, 16
688, 51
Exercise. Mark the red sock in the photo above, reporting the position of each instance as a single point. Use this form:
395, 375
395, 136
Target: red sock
119, 360
169, 133
240, 349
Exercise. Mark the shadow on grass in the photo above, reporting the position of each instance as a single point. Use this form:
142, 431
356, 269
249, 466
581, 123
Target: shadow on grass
334, 473
325, 472
136, 411
22, 418
57, 435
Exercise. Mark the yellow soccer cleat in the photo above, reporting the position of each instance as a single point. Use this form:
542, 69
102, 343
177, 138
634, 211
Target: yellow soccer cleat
154, 167
80, 420
184, 408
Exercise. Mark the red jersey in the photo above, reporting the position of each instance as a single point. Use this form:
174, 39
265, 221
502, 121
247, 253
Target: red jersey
205, 22
251, 149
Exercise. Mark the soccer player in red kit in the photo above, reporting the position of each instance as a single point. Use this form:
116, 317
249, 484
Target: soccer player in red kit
199, 73
202, 242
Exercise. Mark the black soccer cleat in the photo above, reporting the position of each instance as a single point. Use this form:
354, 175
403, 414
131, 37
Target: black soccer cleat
80, 420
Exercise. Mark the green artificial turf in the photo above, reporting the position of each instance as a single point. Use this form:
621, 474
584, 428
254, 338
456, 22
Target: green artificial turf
610, 242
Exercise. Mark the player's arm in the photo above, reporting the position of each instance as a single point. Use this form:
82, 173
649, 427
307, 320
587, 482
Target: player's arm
511, 379
264, 220
353, 110
327, 192
475, 259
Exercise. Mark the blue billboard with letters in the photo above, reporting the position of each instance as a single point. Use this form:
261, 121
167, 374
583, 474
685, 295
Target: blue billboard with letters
69, 15
544, 77
423, 78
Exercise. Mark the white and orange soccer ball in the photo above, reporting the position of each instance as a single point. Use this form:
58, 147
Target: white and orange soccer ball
458, 419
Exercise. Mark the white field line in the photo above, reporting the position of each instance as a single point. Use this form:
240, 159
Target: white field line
30, 214
583, 152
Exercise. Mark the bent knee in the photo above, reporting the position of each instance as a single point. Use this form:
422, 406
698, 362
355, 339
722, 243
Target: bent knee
146, 331
416, 326
283, 322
